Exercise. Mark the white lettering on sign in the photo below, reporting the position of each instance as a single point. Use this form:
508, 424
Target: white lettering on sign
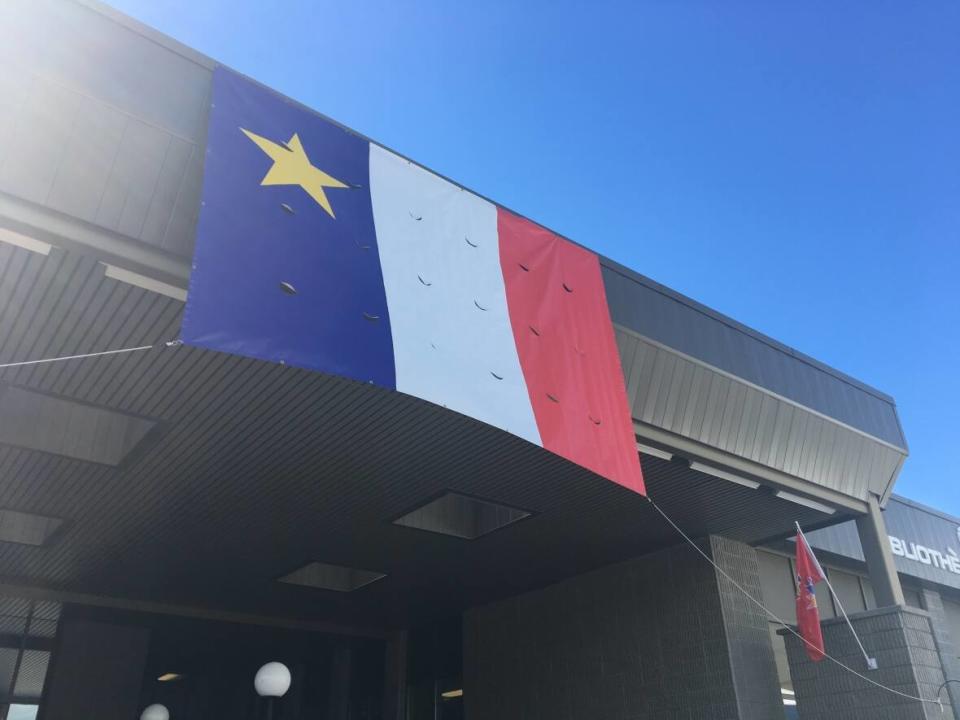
949, 561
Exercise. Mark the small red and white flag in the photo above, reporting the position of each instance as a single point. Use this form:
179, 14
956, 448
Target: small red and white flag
809, 573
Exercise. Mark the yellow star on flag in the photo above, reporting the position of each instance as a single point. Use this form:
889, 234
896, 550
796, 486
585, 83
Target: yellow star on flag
291, 166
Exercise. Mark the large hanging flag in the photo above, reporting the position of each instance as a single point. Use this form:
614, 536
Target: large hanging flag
319, 249
809, 573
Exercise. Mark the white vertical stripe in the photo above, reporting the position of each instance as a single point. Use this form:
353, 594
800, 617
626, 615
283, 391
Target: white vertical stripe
441, 260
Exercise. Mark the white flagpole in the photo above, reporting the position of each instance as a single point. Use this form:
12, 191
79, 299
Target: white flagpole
871, 662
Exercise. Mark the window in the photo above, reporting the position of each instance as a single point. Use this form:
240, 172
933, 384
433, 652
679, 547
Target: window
435, 671
912, 598
847, 588
783, 673
22, 712
868, 595
952, 611
779, 595
777, 585
27, 629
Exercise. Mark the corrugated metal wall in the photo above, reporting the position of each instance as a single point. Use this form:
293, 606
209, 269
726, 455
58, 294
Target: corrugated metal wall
666, 317
684, 396
913, 525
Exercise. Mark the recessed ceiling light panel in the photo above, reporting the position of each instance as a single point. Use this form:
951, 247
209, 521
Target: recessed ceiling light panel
461, 516
58, 425
331, 577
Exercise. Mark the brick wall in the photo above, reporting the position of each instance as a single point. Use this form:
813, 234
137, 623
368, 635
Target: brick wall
901, 640
657, 637
747, 631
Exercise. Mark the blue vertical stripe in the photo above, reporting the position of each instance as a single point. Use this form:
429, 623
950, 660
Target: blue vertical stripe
276, 277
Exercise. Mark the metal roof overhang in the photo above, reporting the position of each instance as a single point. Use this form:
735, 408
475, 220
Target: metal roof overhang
255, 470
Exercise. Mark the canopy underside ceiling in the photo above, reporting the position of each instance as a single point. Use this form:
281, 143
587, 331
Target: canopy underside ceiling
249, 471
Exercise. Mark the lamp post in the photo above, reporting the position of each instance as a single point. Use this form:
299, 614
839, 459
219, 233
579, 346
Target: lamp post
155, 712
271, 681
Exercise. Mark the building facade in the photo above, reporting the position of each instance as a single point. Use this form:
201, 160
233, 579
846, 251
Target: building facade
172, 517
923, 542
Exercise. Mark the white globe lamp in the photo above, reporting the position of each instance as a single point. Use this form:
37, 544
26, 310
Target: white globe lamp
155, 712
272, 680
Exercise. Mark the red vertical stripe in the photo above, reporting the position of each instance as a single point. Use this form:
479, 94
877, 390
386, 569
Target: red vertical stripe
561, 323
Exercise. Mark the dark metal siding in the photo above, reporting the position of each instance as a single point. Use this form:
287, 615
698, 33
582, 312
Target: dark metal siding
910, 523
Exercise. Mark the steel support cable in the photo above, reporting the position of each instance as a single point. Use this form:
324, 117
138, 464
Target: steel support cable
102, 353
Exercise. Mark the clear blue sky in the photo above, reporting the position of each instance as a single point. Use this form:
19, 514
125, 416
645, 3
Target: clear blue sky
794, 165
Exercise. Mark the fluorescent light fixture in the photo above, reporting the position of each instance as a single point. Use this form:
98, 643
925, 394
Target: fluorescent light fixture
789, 701
461, 516
170, 677
655, 452
331, 577
452, 694
806, 502
23, 241
724, 475
784, 691
142, 281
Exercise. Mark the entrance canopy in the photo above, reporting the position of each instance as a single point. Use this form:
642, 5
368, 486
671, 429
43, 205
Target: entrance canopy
198, 479
188, 480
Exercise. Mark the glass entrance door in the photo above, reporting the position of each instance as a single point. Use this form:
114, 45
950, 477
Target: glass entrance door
435, 671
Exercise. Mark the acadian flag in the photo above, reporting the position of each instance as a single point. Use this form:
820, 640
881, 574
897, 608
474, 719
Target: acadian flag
809, 573
319, 249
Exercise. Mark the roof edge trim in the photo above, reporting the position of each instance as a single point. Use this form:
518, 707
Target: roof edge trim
149, 33
676, 296
943, 515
